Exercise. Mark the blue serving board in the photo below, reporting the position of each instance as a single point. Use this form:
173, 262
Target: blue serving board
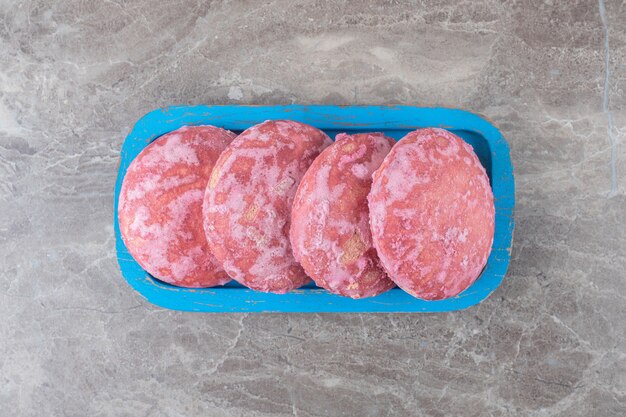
395, 121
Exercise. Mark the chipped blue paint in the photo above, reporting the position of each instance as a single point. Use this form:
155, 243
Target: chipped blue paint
395, 121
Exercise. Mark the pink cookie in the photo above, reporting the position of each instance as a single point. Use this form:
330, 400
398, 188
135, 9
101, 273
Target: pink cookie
160, 206
247, 206
330, 231
432, 214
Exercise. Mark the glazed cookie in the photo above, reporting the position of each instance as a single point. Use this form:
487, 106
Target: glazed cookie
432, 214
247, 206
160, 206
330, 232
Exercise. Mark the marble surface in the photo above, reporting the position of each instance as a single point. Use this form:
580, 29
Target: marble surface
75, 340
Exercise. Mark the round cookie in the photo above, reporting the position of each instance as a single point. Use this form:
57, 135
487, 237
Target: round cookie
160, 206
432, 214
247, 206
330, 232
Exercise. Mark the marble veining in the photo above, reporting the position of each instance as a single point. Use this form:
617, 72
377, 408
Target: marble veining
605, 101
75, 340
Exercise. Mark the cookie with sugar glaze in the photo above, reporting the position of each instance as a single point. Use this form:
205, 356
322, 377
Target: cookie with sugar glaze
247, 205
330, 232
160, 206
432, 214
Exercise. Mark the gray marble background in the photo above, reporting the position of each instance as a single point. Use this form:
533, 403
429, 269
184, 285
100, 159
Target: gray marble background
75, 340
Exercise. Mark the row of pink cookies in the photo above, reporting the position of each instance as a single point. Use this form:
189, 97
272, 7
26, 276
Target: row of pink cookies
281, 203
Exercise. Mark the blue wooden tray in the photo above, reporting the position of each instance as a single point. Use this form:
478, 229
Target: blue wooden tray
395, 121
